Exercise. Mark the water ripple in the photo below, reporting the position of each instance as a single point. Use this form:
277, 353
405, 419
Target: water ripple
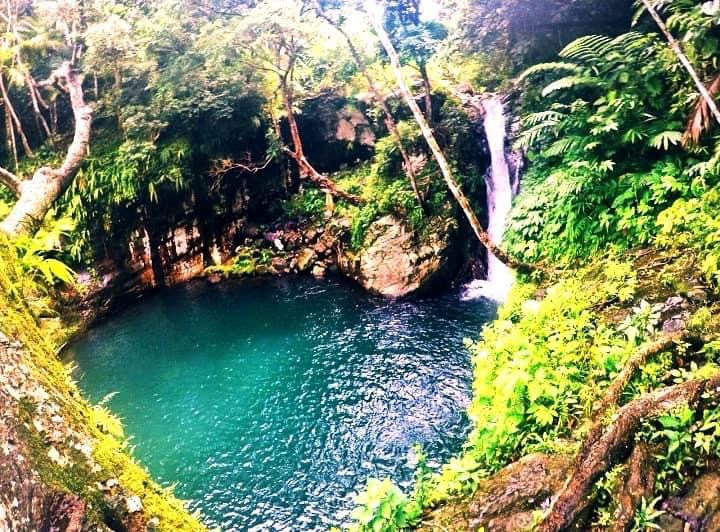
270, 403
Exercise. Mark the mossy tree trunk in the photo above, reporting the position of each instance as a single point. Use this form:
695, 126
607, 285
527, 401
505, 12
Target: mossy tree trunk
36, 195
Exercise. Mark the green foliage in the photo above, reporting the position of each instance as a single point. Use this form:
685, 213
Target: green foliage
248, 262
604, 491
393, 198
308, 203
690, 441
605, 150
42, 256
383, 507
123, 178
694, 223
646, 516
415, 39
539, 367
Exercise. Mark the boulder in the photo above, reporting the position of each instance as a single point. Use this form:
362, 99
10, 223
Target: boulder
279, 263
305, 259
699, 509
320, 248
396, 262
310, 234
318, 270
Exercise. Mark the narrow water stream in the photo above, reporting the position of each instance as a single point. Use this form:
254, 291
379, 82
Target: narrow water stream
270, 403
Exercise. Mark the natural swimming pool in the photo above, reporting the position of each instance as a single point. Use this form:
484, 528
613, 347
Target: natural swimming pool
270, 403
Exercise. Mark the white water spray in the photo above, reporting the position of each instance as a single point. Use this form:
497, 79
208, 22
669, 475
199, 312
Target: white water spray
499, 199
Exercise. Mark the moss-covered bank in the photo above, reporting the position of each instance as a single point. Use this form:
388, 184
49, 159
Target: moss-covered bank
66, 462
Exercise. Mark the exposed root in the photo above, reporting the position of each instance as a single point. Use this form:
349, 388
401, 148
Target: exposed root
637, 483
604, 448
634, 363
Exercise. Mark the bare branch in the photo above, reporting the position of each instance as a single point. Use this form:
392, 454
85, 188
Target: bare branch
10, 180
677, 48
221, 167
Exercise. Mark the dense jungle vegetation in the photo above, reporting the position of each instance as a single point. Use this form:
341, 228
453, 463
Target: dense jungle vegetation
602, 366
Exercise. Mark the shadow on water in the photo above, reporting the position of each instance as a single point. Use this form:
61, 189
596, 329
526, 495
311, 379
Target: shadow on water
270, 403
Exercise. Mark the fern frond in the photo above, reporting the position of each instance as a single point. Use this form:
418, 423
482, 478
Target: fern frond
548, 67
587, 49
563, 146
531, 136
665, 139
569, 82
543, 116
593, 49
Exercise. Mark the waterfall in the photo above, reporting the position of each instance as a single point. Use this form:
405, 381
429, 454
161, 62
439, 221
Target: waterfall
499, 202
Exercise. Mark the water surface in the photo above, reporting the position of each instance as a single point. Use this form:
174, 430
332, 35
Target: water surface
270, 403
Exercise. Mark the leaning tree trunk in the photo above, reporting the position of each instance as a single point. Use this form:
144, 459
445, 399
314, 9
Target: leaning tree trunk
36, 195
307, 170
389, 120
677, 49
428, 94
447, 174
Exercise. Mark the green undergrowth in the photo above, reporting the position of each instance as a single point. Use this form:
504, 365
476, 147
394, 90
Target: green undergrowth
545, 361
385, 188
89, 425
249, 261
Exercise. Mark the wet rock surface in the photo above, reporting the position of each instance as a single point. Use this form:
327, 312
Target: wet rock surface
396, 261
698, 510
505, 502
48, 470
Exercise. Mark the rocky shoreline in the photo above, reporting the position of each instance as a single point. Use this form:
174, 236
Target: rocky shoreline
395, 261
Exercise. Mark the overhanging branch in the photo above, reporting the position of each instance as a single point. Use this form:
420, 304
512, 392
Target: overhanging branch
10, 180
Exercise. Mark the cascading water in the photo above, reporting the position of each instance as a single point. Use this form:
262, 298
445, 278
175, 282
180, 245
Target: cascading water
499, 200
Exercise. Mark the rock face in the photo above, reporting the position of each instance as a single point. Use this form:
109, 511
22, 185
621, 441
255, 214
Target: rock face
505, 501
698, 510
396, 262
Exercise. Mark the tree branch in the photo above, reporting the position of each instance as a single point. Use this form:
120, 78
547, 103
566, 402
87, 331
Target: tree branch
437, 152
10, 180
47, 184
677, 48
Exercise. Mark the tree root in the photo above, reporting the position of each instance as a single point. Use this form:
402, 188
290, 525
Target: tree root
634, 363
604, 448
637, 482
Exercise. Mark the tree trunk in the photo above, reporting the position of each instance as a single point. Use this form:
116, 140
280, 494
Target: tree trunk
389, 120
677, 49
307, 170
605, 447
447, 174
10, 134
40, 121
14, 116
37, 195
428, 94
